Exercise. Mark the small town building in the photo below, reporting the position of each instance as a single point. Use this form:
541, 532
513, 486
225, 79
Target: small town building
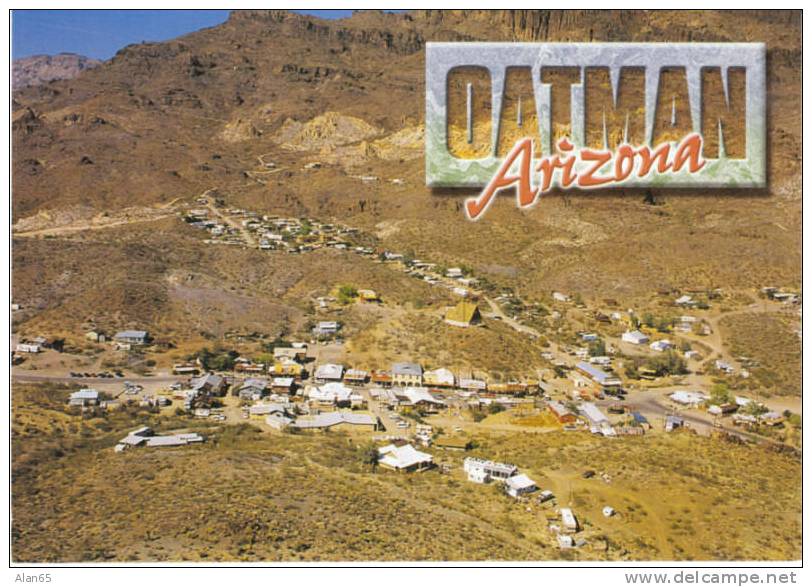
420, 397
381, 378
339, 420
355, 376
210, 383
439, 378
292, 353
287, 368
132, 337
333, 393
404, 374
562, 413
95, 336
185, 369
472, 385
673, 422
329, 372
263, 410
24, 347
634, 337
464, 314
252, 388
284, 385
603, 380
661, 345
519, 485
326, 328
689, 398
403, 458
568, 520
483, 471
84, 397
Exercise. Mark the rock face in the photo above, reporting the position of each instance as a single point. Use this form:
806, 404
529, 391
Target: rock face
324, 132
41, 69
301, 88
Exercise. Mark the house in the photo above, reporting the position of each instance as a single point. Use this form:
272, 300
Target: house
420, 397
454, 273
634, 337
95, 336
84, 397
560, 297
185, 369
640, 420
355, 376
673, 422
561, 412
603, 380
520, 485
330, 394
565, 541
381, 378
439, 378
407, 374
132, 337
283, 385
464, 314
263, 410
329, 372
403, 458
144, 436
337, 420
723, 366
482, 471
568, 520
287, 368
593, 413
27, 348
252, 387
209, 383
685, 301
243, 365
326, 328
661, 345
473, 385
688, 398
291, 353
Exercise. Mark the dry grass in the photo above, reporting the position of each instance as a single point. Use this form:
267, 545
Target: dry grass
771, 340
249, 495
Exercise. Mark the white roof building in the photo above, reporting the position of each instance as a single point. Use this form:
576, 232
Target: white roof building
84, 397
417, 395
333, 392
634, 337
403, 458
440, 377
661, 345
568, 519
688, 398
328, 419
329, 372
519, 485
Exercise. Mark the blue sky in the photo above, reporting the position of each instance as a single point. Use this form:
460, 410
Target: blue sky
100, 33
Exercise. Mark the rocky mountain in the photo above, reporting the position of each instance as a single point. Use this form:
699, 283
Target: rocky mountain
164, 122
41, 69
